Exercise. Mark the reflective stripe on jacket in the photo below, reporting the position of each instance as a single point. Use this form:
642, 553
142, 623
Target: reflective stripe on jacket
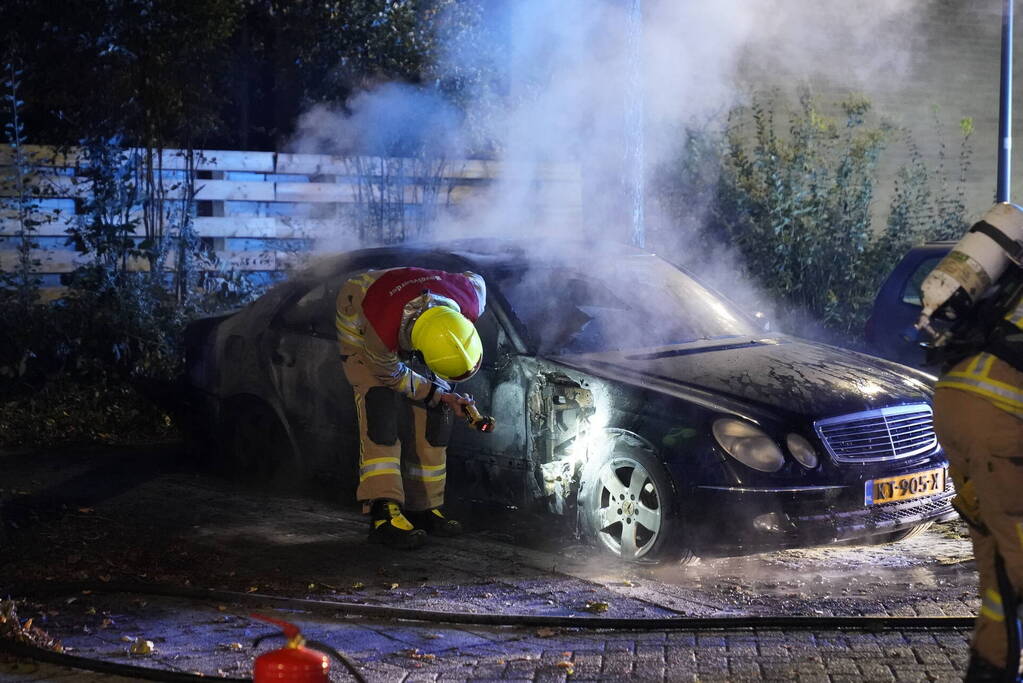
990, 377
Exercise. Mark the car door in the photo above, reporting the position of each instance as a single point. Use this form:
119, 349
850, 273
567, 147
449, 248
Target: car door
493, 466
306, 368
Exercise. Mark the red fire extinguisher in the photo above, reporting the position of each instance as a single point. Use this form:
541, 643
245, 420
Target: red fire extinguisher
293, 663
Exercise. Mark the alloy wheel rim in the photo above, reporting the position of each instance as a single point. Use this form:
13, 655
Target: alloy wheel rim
629, 512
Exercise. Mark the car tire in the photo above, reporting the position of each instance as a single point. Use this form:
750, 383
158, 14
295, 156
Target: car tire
627, 505
255, 448
901, 535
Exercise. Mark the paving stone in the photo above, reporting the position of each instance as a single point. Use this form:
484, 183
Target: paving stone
874, 672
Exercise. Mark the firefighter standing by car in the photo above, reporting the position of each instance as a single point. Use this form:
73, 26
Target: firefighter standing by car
387, 322
978, 415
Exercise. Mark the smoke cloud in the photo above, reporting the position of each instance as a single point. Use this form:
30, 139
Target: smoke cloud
540, 82
581, 81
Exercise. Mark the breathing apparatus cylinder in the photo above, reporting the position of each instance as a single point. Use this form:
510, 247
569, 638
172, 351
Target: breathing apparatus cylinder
976, 261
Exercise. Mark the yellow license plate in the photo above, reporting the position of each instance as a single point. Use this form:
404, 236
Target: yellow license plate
904, 487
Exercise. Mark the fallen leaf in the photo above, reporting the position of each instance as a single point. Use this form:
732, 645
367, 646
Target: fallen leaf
358, 585
433, 636
90, 611
253, 589
393, 586
597, 607
221, 608
86, 511
568, 667
420, 656
141, 646
546, 632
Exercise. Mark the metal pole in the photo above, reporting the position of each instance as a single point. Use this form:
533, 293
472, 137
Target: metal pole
1005, 108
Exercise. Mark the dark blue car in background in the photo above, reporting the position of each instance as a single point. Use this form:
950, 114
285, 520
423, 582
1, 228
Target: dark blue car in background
890, 332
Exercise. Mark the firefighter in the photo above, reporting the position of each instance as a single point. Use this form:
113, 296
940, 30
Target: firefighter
406, 335
978, 416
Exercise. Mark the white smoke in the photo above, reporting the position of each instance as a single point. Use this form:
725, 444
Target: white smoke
548, 83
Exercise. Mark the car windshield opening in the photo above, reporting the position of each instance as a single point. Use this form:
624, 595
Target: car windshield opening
635, 302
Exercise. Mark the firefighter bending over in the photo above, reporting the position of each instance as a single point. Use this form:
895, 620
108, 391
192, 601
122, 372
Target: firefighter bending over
978, 415
406, 335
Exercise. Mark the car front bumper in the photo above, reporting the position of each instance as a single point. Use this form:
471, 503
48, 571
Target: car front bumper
739, 517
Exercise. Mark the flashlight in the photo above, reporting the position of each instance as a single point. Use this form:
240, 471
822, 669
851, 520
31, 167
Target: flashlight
483, 423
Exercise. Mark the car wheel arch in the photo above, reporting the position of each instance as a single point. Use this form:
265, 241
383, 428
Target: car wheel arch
630, 445
233, 407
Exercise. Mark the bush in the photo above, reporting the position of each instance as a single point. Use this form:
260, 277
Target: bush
73, 409
72, 370
797, 205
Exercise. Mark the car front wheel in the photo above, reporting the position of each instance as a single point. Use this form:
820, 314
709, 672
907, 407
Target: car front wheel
627, 505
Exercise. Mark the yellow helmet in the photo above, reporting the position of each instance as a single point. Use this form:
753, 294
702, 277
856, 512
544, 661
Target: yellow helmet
449, 343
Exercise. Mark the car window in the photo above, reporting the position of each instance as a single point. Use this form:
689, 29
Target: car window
313, 312
631, 303
911, 294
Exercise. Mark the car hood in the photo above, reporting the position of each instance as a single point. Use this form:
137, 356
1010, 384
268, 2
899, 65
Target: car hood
779, 374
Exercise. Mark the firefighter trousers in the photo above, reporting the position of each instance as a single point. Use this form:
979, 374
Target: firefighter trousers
984, 445
402, 444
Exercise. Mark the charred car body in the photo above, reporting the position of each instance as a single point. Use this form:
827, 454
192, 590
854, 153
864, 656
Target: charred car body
628, 398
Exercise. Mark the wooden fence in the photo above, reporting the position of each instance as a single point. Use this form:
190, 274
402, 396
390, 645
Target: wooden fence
261, 211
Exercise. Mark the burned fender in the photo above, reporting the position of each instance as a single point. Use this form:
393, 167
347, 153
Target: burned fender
560, 409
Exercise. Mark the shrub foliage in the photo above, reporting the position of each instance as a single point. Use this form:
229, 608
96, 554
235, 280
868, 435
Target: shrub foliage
798, 203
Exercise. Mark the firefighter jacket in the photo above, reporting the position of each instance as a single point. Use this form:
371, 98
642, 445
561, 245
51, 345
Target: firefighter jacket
989, 376
376, 310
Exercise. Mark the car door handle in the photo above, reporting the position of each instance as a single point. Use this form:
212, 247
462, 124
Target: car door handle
280, 359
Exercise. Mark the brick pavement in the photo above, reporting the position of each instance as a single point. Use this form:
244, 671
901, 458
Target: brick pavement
414, 653
305, 547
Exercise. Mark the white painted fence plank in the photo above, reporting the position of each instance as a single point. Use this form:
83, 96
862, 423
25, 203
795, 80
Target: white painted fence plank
170, 159
316, 192
313, 164
231, 190
50, 224
65, 261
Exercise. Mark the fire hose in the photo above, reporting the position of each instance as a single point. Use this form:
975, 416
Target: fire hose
681, 623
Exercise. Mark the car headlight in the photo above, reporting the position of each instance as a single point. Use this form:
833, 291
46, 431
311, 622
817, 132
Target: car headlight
748, 444
802, 450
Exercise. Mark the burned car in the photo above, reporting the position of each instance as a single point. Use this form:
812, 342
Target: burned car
629, 398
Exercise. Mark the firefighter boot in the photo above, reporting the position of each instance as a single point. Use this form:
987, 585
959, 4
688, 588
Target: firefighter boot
979, 670
434, 522
391, 528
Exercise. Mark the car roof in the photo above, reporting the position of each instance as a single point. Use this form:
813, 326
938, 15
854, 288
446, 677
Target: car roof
485, 252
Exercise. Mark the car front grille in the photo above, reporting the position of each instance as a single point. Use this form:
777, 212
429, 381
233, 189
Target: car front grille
875, 435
